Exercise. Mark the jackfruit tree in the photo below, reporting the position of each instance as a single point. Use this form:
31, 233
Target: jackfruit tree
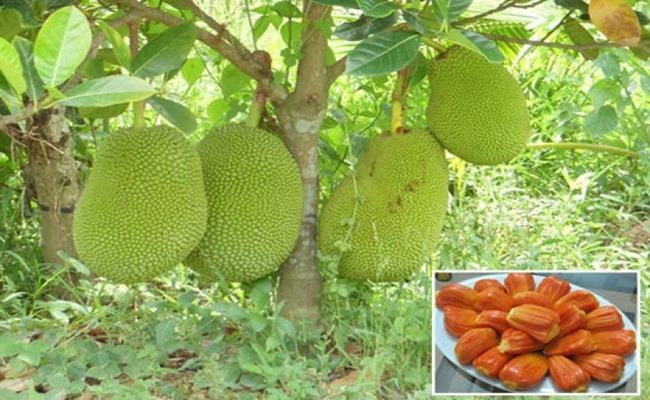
69, 71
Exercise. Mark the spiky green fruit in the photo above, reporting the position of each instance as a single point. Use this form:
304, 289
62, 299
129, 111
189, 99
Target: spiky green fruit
255, 199
477, 109
387, 216
143, 208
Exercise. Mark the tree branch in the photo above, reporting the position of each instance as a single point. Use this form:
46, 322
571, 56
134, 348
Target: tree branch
504, 5
7, 120
335, 70
565, 46
584, 146
223, 42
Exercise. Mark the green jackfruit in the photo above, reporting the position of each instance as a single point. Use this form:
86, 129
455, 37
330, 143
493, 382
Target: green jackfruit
255, 199
476, 110
387, 215
143, 208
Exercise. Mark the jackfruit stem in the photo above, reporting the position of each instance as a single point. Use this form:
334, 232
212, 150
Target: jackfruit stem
434, 45
585, 146
257, 109
138, 106
258, 104
397, 102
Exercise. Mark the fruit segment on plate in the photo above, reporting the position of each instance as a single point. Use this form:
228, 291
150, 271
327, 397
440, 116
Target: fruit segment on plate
520, 332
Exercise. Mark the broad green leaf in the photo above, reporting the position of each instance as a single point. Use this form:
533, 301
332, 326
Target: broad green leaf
601, 120
413, 19
165, 52
120, 49
517, 30
61, 45
11, 344
363, 27
573, 4
608, 63
580, 36
217, 110
377, 8
291, 34
340, 3
10, 23
605, 90
11, 67
103, 92
477, 43
8, 97
103, 112
175, 113
450, 10
26, 10
34, 83
383, 53
192, 70
287, 10
233, 80
418, 70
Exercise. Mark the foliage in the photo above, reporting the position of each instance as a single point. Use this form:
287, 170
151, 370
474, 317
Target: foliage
548, 209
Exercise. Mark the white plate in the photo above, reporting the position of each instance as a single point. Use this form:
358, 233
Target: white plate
446, 342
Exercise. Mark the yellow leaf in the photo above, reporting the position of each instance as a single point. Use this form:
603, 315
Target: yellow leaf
616, 20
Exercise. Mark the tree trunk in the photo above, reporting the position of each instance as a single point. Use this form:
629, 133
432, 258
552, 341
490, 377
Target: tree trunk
301, 116
53, 173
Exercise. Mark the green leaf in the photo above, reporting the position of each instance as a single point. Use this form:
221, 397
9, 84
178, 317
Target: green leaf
11, 344
61, 45
477, 43
580, 36
165, 52
192, 70
573, 4
377, 8
10, 23
120, 49
233, 80
34, 83
601, 120
287, 10
450, 10
504, 28
107, 91
412, 18
11, 67
175, 113
383, 53
363, 27
609, 64
217, 110
340, 3
603, 91
103, 112
8, 96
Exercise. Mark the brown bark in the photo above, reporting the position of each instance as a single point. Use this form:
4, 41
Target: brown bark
53, 172
301, 116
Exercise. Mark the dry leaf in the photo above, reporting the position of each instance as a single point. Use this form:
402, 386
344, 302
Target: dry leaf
616, 20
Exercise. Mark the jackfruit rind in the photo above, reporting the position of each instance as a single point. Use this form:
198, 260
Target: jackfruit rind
143, 208
255, 199
388, 215
477, 110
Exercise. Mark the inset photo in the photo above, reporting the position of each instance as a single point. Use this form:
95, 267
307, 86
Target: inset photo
536, 332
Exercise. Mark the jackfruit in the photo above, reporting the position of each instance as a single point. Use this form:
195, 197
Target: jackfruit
476, 110
387, 216
143, 208
255, 199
